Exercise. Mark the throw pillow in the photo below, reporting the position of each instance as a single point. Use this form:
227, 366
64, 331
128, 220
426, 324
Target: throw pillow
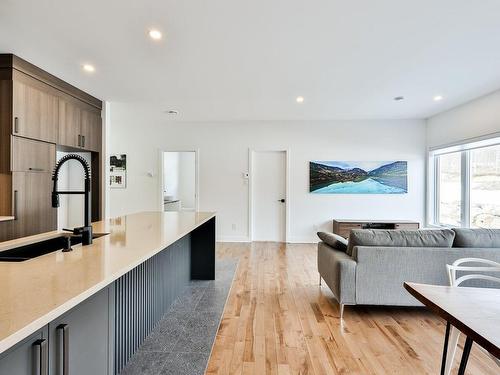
333, 240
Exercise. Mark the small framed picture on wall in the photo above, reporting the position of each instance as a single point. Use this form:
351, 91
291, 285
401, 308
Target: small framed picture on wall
118, 171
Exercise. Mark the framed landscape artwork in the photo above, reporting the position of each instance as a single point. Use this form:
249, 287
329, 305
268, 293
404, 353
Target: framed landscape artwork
358, 177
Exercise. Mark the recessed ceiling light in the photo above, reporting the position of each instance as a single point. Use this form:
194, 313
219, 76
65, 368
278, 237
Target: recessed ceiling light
437, 98
299, 99
172, 112
155, 34
398, 98
88, 68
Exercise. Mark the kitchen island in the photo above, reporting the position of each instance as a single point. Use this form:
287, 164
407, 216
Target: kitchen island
61, 310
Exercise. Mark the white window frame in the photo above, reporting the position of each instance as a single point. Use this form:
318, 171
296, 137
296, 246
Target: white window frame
433, 181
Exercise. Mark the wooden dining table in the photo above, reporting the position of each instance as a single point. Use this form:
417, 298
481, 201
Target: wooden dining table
474, 311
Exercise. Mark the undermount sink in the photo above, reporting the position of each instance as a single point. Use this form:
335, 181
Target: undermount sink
33, 250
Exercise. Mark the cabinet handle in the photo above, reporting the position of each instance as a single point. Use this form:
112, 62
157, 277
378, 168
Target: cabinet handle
79, 140
16, 124
36, 169
83, 141
40, 348
63, 332
15, 205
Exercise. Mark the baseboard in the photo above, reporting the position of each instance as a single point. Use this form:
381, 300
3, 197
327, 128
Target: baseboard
302, 240
246, 239
233, 239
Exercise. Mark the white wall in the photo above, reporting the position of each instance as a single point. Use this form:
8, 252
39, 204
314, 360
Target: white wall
474, 119
223, 158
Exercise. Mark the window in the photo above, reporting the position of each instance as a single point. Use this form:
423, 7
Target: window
450, 185
485, 187
465, 185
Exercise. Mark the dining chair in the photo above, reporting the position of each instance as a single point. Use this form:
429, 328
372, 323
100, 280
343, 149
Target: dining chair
479, 270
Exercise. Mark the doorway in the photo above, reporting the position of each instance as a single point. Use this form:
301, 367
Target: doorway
179, 181
268, 196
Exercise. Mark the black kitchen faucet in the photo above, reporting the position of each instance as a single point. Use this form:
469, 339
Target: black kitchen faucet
86, 230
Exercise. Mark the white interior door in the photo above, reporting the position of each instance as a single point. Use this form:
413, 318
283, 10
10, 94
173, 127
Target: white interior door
268, 195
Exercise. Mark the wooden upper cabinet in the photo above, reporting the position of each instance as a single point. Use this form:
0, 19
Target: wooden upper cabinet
32, 204
37, 105
38, 111
35, 109
91, 129
69, 122
79, 125
32, 156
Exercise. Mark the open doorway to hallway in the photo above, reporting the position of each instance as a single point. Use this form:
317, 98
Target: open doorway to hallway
180, 182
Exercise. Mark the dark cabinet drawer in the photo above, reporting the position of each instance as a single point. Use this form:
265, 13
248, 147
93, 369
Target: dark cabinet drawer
29, 357
80, 339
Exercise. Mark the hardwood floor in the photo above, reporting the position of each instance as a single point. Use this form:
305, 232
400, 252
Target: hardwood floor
277, 320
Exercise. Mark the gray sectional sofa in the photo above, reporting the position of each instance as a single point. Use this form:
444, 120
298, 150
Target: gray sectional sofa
370, 269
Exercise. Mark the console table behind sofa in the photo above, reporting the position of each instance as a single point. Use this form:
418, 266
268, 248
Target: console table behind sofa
344, 227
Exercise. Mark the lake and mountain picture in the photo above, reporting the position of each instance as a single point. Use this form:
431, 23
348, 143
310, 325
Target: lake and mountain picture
358, 177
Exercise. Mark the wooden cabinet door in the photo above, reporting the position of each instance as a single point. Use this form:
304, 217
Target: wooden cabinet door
35, 109
82, 337
91, 129
344, 229
69, 123
27, 357
32, 204
32, 156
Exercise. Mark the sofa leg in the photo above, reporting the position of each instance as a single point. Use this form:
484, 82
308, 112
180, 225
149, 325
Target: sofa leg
319, 280
342, 311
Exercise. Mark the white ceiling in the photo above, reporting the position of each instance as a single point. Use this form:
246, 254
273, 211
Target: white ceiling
235, 59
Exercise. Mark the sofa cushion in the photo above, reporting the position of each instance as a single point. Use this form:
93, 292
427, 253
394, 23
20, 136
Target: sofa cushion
481, 238
400, 238
333, 240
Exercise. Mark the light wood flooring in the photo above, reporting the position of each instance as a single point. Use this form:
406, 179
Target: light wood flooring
277, 320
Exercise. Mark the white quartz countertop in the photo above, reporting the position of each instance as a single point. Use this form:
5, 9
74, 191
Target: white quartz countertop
36, 291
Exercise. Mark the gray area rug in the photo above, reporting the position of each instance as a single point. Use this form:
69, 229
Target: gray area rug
181, 342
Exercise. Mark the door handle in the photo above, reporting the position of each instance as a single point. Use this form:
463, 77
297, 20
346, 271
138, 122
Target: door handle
16, 124
15, 205
63, 332
36, 169
79, 140
282, 200
83, 141
40, 348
